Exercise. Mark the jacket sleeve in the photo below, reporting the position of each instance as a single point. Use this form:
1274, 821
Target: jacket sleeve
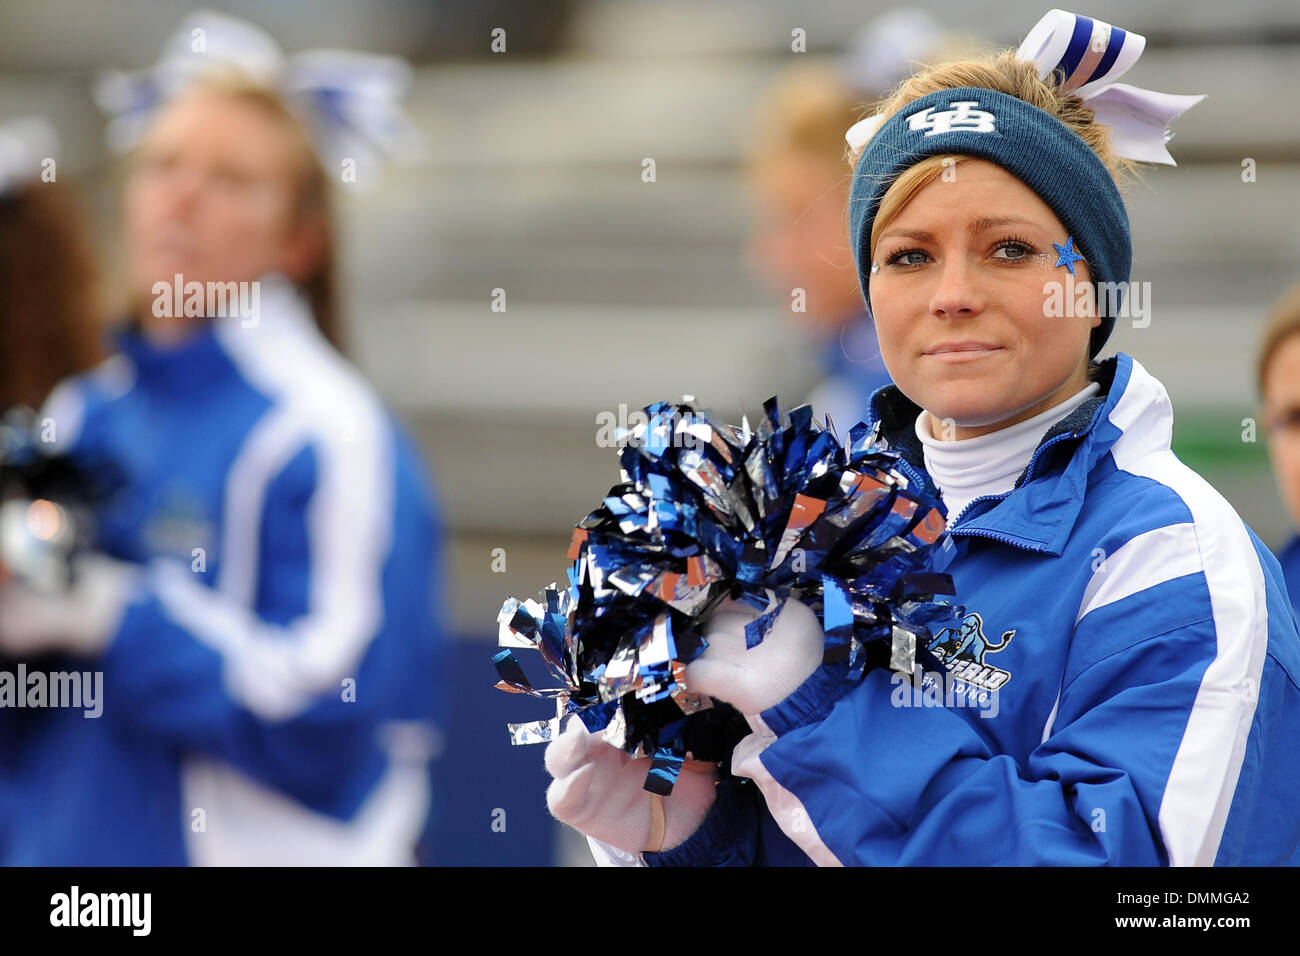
1137, 766
318, 627
729, 835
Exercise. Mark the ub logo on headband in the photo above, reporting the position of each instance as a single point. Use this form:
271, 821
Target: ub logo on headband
962, 116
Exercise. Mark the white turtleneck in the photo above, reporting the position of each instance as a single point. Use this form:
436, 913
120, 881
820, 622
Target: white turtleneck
970, 468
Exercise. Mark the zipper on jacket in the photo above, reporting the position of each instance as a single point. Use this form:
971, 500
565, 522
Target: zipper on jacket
921, 478
955, 530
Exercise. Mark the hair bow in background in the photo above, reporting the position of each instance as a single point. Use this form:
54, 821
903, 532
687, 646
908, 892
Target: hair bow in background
350, 101
884, 52
1091, 55
25, 143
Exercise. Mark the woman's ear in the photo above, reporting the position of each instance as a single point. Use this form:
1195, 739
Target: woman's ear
304, 247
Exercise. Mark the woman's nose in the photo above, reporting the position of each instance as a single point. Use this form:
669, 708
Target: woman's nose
957, 294
189, 184
177, 189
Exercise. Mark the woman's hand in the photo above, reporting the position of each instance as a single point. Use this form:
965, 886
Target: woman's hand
755, 679
600, 790
80, 621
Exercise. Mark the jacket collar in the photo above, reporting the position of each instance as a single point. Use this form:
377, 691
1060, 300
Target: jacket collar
202, 353
1040, 512
171, 366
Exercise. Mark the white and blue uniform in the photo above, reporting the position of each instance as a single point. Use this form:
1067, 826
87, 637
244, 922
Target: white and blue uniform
270, 696
1146, 666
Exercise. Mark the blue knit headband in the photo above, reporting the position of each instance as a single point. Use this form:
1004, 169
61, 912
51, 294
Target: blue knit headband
1035, 147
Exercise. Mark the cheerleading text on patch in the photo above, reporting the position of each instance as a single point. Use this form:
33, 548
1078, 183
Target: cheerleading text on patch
941, 689
962, 116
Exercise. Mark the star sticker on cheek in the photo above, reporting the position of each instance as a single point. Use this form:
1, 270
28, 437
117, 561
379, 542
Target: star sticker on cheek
1066, 255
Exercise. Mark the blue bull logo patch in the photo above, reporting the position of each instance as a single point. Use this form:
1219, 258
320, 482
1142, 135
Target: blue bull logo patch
961, 649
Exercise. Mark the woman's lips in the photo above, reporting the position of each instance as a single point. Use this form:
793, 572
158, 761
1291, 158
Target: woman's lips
962, 351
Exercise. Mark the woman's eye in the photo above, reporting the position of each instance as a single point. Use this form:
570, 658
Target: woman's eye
154, 162
1287, 420
904, 258
1014, 250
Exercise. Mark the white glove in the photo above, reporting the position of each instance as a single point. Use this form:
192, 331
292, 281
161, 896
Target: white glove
80, 621
600, 790
754, 679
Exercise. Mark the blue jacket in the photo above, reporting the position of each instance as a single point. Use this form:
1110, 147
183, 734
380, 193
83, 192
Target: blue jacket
270, 694
1136, 665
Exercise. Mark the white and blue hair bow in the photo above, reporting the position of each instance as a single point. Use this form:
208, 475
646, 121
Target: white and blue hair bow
26, 142
1091, 55
349, 100
885, 50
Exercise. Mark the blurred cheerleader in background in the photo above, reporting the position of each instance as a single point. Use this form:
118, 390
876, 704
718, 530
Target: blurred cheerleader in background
1278, 373
262, 603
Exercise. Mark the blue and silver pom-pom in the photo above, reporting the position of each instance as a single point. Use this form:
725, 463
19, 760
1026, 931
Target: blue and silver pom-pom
708, 511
